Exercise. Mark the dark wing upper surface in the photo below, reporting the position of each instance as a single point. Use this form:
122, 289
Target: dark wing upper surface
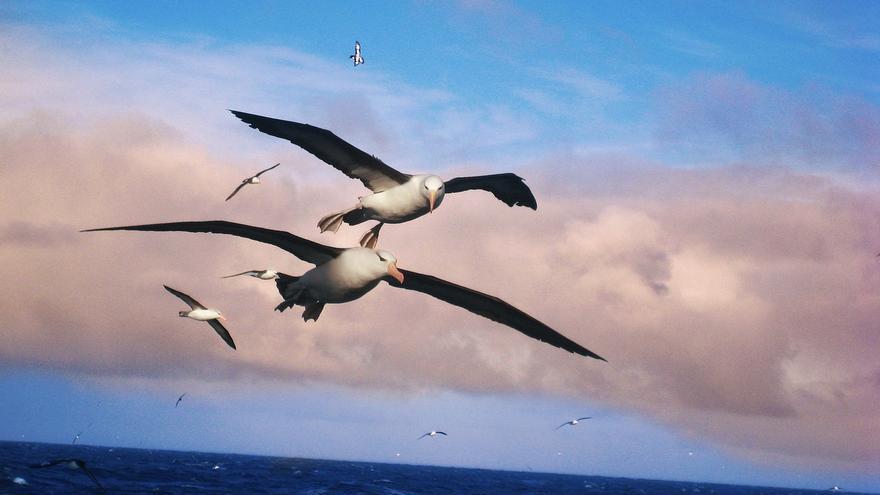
222, 332
244, 183
508, 187
489, 307
261, 172
303, 249
185, 298
330, 148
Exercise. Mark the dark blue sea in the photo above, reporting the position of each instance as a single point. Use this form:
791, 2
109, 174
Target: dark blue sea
121, 470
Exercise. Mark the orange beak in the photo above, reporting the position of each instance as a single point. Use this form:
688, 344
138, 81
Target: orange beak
431, 200
394, 272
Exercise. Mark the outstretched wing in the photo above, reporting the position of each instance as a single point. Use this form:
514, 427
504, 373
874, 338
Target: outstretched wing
330, 148
249, 272
421, 437
441, 433
563, 424
508, 187
581, 419
222, 332
261, 172
91, 476
303, 249
185, 298
244, 183
489, 307
53, 462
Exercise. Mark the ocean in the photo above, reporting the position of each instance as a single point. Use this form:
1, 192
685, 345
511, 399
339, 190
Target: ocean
124, 470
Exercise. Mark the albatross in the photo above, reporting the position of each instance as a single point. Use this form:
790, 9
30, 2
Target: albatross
572, 422
357, 58
344, 274
260, 274
254, 179
201, 313
72, 464
397, 197
432, 434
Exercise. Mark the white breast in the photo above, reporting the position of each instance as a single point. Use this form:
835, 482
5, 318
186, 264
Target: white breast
204, 314
347, 277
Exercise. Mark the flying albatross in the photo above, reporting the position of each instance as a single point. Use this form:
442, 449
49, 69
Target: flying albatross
357, 58
397, 197
572, 422
254, 179
200, 313
260, 274
432, 434
343, 275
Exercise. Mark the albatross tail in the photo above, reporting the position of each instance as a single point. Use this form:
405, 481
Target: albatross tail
332, 221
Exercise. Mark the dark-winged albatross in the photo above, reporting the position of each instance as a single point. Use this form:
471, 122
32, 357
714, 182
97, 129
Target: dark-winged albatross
397, 197
254, 179
343, 275
200, 313
432, 434
572, 422
358, 60
260, 274
179, 399
72, 464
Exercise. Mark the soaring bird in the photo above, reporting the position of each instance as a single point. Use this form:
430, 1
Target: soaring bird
572, 422
343, 275
432, 434
76, 438
358, 60
181, 397
254, 179
200, 313
260, 274
72, 464
397, 197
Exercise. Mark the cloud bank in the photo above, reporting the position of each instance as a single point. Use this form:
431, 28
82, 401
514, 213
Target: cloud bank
737, 301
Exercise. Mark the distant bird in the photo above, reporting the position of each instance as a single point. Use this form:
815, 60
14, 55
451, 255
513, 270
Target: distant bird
76, 437
201, 313
260, 274
343, 275
254, 179
358, 60
183, 394
72, 464
397, 197
572, 422
432, 434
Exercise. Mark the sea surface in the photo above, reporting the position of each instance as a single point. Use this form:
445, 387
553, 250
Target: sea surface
122, 470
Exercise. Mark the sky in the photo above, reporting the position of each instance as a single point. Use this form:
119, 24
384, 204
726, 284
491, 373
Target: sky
707, 186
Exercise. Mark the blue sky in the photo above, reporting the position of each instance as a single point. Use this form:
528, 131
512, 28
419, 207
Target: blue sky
711, 136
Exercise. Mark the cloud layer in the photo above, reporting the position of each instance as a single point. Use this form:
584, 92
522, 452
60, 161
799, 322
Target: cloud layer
737, 302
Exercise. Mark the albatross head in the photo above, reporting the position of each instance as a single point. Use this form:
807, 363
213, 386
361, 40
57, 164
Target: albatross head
434, 190
390, 263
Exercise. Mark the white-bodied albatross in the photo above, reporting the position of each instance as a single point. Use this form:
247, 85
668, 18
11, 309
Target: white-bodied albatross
254, 179
572, 422
343, 275
432, 433
260, 274
397, 197
200, 313
356, 57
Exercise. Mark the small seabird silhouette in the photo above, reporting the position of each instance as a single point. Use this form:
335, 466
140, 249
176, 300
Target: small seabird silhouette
260, 274
76, 437
179, 399
358, 60
396, 197
72, 464
254, 179
432, 434
201, 313
572, 422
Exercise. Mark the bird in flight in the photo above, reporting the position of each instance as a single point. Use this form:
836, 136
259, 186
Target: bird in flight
180, 399
76, 438
572, 422
341, 275
200, 313
432, 434
72, 464
260, 274
357, 58
254, 179
396, 197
